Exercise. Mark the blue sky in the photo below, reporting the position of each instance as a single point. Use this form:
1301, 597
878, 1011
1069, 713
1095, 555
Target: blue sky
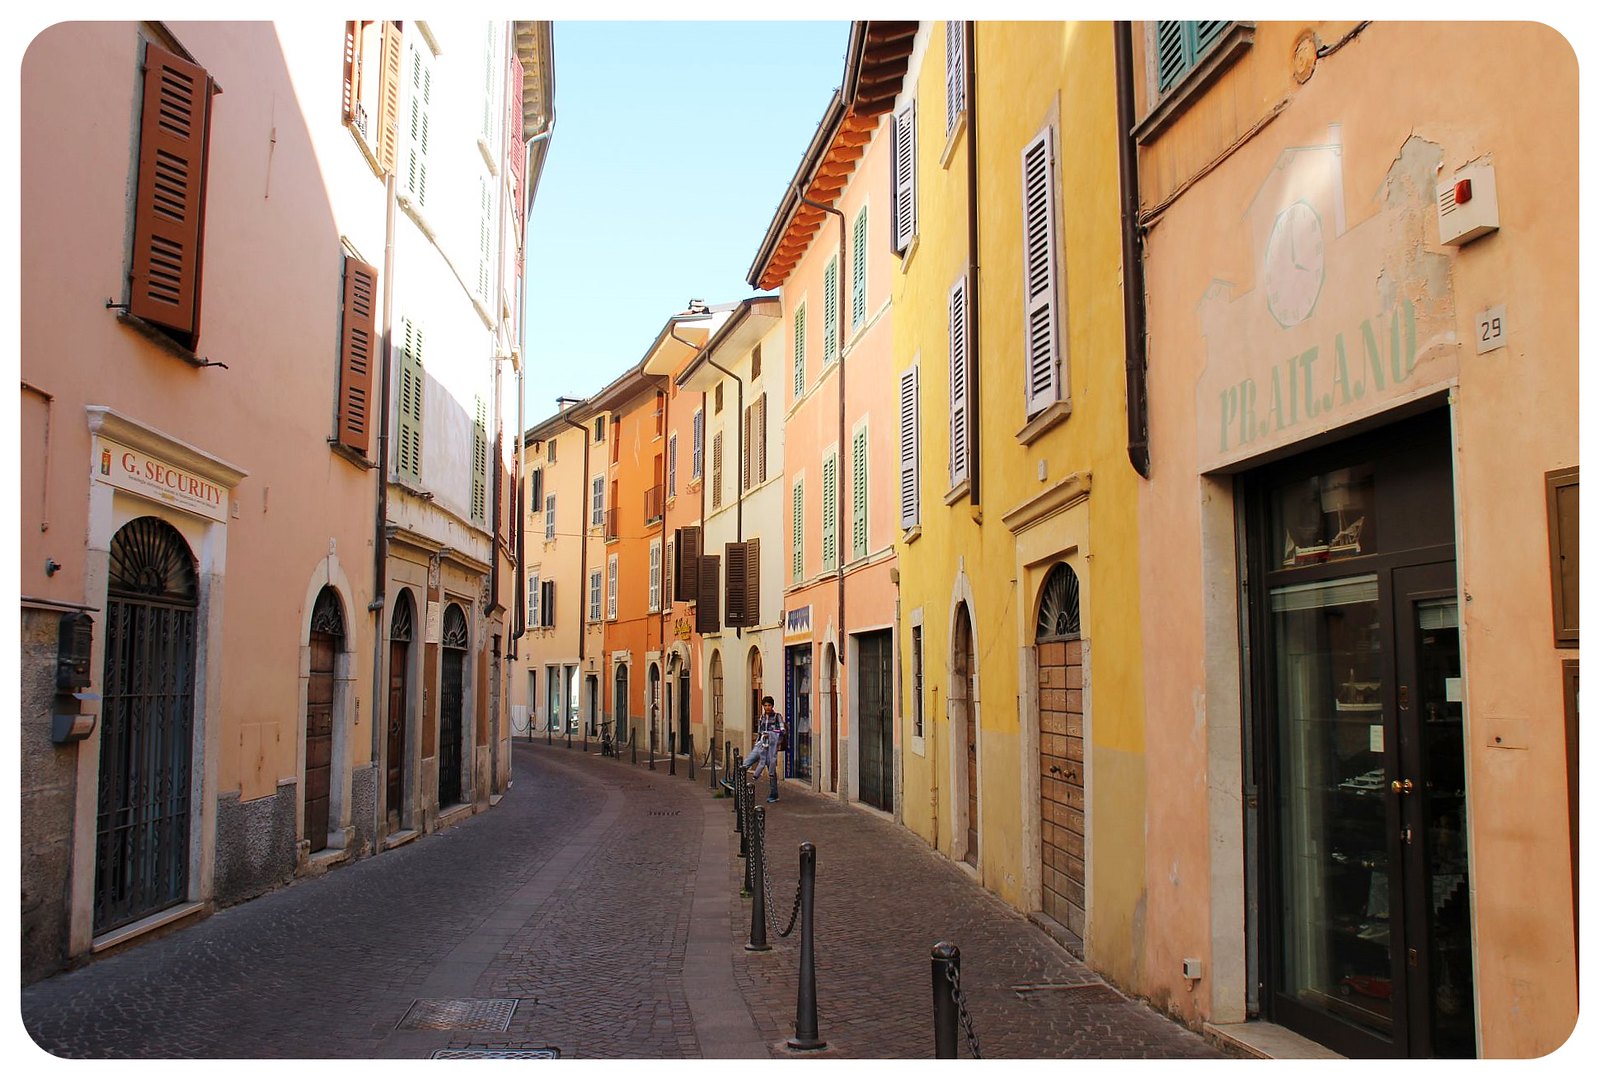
673, 145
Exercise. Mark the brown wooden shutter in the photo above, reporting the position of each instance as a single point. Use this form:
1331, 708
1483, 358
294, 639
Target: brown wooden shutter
686, 572
761, 436
752, 582
744, 457
735, 556
169, 201
355, 354
351, 32
389, 97
706, 616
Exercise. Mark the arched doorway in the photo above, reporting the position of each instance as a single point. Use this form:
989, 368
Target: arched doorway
652, 705
147, 725
964, 720
835, 742
452, 692
400, 635
619, 706
716, 701
756, 691
683, 709
326, 642
1059, 658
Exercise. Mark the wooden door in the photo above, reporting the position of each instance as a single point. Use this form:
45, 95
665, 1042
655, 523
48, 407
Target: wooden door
399, 654
319, 739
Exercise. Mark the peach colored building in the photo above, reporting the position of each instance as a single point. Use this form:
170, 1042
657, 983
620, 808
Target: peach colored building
1359, 534
839, 413
208, 443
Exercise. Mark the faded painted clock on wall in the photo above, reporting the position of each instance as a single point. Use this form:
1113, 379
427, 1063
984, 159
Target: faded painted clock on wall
1294, 264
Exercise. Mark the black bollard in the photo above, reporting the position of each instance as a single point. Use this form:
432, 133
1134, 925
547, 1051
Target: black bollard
946, 962
691, 755
568, 726
805, 1011
652, 749
672, 753
586, 738
758, 907
549, 733
633, 747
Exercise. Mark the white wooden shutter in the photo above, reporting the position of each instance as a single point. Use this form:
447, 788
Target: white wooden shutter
959, 425
1040, 257
905, 176
594, 596
597, 500
955, 73
550, 516
672, 464
910, 508
611, 587
655, 575
533, 600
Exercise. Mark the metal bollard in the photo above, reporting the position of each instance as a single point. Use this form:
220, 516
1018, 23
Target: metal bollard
758, 907
568, 726
633, 747
652, 749
586, 738
549, 733
672, 753
805, 1010
946, 961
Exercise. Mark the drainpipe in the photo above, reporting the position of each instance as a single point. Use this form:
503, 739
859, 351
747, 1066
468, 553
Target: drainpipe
380, 538
738, 487
839, 494
583, 541
1133, 311
974, 384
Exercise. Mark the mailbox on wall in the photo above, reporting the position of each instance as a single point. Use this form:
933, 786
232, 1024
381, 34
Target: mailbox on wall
73, 650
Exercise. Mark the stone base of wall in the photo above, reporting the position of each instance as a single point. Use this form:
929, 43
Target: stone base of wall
256, 844
363, 804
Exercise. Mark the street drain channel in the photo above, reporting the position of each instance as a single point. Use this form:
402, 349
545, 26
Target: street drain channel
451, 1014
1074, 993
665, 813
500, 1053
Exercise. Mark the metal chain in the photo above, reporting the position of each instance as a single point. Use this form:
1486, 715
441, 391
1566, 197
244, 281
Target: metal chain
954, 975
766, 884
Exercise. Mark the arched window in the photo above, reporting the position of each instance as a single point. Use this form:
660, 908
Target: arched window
1058, 605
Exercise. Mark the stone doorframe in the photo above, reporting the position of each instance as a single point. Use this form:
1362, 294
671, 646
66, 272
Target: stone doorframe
327, 574
956, 723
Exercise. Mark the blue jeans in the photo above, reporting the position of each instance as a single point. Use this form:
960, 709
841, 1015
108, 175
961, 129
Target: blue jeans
764, 755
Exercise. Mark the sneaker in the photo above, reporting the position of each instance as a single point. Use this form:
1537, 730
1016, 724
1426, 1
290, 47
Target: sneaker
772, 798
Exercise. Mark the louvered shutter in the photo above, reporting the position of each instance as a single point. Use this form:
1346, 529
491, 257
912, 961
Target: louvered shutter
550, 516
959, 425
830, 311
905, 176
1040, 258
421, 93
955, 82
686, 573
666, 575
597, 501
535, 595
389, 96
858, 496
799, 351
744, 435
517, 151
672, 465
594, 596
910, 496
716, 470
761, 436
697, 458
359, 331
796, 534
830, 512
484, 260
858, 271
170, 197
707, 616
536, 495
1206, 34
352, 31
611, 587
1170, 59
734, 565
752, 582
480, 458
409, 444
655, 575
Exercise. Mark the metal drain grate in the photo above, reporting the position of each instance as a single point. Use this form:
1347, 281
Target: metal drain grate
1074, 993
450, 1014
546, 1052
665, 813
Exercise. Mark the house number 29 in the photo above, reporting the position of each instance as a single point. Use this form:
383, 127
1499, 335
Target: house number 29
1492, 329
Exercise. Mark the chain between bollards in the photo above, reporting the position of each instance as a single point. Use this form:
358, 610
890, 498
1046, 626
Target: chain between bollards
949, 1003
766, 883
805, 1011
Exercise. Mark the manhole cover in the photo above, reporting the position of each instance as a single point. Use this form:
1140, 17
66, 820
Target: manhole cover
502, 1054
1074, 993
448, 1014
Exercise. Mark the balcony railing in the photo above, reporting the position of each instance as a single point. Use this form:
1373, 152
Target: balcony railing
652, 505
611, 524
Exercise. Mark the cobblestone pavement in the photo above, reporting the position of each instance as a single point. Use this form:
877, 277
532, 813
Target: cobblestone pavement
598, 905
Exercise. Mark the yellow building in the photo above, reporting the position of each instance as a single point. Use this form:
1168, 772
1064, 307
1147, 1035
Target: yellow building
1023, 746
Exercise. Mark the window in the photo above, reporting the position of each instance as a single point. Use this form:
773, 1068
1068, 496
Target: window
830, 512
548, 603
796, 536
419, 107
755, 443
408, 447
910, 445
1561, 509
716, 470
955, 74
1180, 45
960, 420
611, 587
533, 600
858, 495
597, 501
480, 459
744, 582
672, 465
755, 363
169, 197
800, 351
485, 257
697, 458
1040, 256
372, 58
550, 450
655, 575
666, 575
660, 414
358, 332
600, 429
916, 680
594, 596
550, 516
616, 450
686, 573
858, 271
903, 177
716, 400
830, 312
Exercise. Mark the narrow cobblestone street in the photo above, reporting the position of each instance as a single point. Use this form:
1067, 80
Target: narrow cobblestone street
599, 904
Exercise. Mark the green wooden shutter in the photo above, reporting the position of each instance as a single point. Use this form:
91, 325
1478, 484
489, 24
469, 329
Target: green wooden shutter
858, 272
480, 458
796, 521
409, 444
858, 496
830, 511
1170, 51
800, 351
830, 311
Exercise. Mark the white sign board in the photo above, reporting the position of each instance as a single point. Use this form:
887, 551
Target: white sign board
135, 471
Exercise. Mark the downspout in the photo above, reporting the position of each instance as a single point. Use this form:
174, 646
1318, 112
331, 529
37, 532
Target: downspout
583, 550
838, 513
738, 487
380, 538
974, 384
1133, 310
